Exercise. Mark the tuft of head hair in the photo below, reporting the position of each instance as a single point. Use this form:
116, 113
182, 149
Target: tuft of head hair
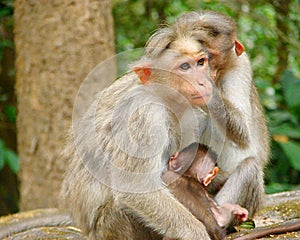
190, 151
210, 28
207, 27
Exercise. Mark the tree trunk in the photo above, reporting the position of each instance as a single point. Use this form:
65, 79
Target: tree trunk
57, 44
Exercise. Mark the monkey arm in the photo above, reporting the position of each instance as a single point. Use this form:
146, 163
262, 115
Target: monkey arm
244, 186
233, 106
163, 212
230, 120
237, 129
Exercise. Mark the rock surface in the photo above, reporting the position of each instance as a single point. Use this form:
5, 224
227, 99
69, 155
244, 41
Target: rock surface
278, 208
53, 224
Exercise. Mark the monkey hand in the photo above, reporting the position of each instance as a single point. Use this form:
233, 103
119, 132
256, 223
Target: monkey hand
239, 213
227, 212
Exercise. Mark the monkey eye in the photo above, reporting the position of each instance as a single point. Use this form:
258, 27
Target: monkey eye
201, 62
185, 66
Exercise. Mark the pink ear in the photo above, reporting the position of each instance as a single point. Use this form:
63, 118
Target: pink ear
239, 48
207, 179
172, 162
143, 72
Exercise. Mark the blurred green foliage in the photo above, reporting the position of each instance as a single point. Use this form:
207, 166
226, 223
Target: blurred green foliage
284, 123
259, 31
8, 157
6, 20
7, 109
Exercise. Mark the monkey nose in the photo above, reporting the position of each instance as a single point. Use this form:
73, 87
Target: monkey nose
200, 81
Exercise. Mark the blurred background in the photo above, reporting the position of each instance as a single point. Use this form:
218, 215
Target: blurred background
269, 30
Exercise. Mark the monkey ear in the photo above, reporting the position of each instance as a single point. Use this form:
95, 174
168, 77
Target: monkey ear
239, 48
175, 155
172, 162
207, 179
143, 72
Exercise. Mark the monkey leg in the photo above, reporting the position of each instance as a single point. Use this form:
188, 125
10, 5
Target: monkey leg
244, 186
117, 223
161, 211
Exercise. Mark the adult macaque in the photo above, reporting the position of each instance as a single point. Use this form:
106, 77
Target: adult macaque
236, 114
188, 181
113, 186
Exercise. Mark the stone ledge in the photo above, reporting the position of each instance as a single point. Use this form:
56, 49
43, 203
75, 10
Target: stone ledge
279, 207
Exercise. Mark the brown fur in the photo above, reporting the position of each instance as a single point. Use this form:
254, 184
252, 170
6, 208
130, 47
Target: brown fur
189, 191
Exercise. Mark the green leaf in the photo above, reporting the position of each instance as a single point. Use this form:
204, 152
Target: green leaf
278, 117
292, 151
291, 89
4, 12
287, 130
2, 150
248, 224
6, 43
12, 160
279, 187
10, 112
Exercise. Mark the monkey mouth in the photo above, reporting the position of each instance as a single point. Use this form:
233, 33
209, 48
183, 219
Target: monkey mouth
198, 96
199, 99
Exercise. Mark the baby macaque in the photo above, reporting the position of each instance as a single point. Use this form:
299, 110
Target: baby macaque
188, 180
